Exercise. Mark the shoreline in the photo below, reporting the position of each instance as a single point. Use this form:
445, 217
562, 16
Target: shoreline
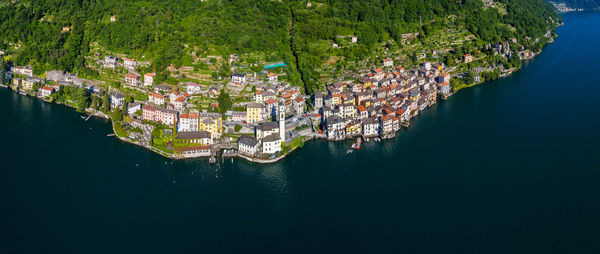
222, 151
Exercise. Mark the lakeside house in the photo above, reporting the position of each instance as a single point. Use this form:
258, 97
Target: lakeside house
192, 151
158, 114
271, 144
116, 100
29, 83
248, 145
193, 138
47, 91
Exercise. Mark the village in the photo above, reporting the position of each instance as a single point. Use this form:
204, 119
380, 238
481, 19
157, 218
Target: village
268, 117
277, 120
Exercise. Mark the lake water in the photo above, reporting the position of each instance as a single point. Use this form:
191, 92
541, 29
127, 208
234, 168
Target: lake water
511, 166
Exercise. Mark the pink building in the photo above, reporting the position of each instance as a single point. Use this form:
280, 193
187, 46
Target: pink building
158, 114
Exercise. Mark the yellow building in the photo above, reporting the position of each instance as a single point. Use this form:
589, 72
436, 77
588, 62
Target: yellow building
211, 122
255, 112
336, 99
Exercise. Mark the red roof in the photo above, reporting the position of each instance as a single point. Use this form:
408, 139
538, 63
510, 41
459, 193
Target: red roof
180, 99
130, 75
190, 115
49, 88
299, 99
270, 74
157, 95
270, 101
150, 74
361, 108
386, 117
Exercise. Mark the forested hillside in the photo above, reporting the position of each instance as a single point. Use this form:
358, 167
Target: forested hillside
165, 32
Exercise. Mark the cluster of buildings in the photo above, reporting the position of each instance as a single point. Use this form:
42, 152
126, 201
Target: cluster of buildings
266, 101
381, 102
111, 62
268, 140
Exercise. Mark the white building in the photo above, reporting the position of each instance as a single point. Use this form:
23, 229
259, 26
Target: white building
132, 80
130, 64
266, 129
388, 62
180, 102
238, 78
248, 145
271, 144
188, 122
133, 107
370, 128
193, 88
282, 122
116, 100
27, 71
271, 77
149, 79
47, 91
110, 62
156, 98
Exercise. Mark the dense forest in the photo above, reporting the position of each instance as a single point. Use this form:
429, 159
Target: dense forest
160, 31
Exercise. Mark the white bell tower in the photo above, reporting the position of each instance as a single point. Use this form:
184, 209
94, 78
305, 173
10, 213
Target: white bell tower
282, 122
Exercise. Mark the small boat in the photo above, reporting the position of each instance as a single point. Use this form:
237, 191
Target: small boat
212, 160
358, 143
349, 151
82, 117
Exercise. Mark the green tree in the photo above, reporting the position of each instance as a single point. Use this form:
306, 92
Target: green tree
106, 103
224, 100
117, 115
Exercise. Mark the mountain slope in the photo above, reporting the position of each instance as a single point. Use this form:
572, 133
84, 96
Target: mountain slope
164, 32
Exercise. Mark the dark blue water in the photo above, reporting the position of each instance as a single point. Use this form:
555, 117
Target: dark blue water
508, 167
